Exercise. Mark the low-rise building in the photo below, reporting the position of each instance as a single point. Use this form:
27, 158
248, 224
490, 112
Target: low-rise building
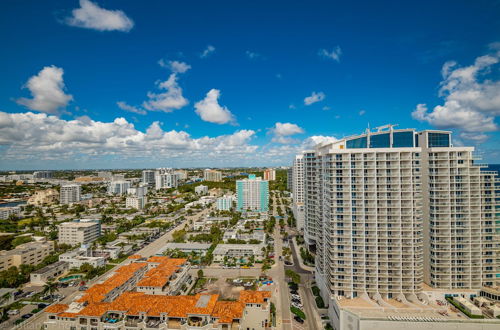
7, 212
48, 273
165, 276
198, 248
239, 251
76, 258
79, 231
201, 190
258, 235
138, 310
31, 253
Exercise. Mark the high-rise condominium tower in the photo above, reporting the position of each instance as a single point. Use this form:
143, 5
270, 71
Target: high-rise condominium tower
388, 211
252, 194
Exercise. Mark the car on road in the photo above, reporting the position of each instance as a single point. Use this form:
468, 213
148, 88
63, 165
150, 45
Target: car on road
298, 319
13, 312
26, 316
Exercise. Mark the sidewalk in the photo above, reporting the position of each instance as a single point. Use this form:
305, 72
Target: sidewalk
299, 257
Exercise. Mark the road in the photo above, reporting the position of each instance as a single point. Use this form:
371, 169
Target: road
36, 322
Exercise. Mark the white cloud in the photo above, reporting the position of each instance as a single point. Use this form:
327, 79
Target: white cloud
333, 55
168, 101
362, 112
47, 89
208, 51
124, 106
292, 106
42, 137
91, 16
326, 108
315, 97
210, 110
175, 66
471, 102
283, 131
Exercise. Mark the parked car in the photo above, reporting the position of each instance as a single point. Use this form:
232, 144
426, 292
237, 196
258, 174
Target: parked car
295, 296
42, 305
26, 316
297, 305
297, 301
82, 288
29, 294
13, 312
298, 319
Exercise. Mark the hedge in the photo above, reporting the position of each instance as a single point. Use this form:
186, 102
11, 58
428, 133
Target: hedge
315, 291
298, 312
319, 302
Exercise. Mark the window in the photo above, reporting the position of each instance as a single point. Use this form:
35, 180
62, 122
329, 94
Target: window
438, 140
356, 143
380, 140
402, 139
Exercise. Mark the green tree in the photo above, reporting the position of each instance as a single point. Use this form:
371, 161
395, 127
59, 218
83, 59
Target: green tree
49, 288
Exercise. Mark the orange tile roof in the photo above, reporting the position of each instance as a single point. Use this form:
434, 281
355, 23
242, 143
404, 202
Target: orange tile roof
254, 297
57, 308
135, 256
160, 275
98, 292
227, 311
95, 309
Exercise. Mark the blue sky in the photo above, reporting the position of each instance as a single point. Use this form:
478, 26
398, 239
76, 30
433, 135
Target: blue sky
228, 83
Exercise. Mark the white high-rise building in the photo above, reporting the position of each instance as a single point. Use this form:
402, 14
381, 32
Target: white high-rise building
225, 203
298, 206
388, 211
70, 194
148, 177
166, 178
140, 191
212, 175
118, 187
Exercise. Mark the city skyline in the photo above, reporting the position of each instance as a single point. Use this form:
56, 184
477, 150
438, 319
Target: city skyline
117, 84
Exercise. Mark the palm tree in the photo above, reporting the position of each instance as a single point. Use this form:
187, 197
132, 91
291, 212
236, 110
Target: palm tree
49, 288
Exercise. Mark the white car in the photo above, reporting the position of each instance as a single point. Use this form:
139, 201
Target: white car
295, 296
13, 312
297, 305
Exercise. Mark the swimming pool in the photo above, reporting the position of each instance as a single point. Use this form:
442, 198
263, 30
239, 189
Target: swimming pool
70, 278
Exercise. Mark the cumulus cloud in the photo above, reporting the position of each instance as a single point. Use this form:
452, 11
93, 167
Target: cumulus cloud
210, 110
168, 101
91, 16
315, 97
47, 90
43, 137
208, 51
471, 102
333, 55
175, 66
283, 131
124, 106
362, 112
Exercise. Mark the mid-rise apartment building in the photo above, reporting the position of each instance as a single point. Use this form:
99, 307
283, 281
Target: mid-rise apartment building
148, 177
136, 202
43, 175
7, 212
225, 203
165, 178
79, 231
201, 190
31, 253
252, 194
212, 175
392, 211
70, 193
270, 174
119, 187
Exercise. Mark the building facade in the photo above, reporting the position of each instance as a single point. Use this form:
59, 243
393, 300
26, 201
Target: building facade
212, 175
31, 253
252, 194
79, 231
118, 187
148, 177
225, 203
298, 206
270, 174
70, 194
388, 211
